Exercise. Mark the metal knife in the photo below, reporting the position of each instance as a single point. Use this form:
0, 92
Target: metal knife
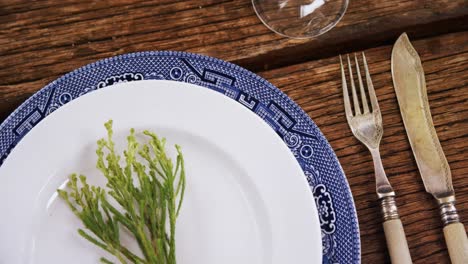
410, 88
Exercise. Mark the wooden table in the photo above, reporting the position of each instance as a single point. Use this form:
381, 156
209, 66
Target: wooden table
42, 40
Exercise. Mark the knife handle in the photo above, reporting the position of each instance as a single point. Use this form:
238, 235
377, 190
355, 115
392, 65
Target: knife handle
394, 232
457, 243
454, 232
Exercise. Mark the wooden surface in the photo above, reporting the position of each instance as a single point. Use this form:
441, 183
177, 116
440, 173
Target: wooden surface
42, 40
316, 87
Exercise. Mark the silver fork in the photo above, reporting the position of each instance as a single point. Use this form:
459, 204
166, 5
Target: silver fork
366, 126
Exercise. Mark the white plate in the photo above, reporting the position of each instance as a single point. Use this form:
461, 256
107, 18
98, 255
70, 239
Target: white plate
247, 200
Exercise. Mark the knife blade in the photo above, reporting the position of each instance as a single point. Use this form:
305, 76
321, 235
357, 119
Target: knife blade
410, 87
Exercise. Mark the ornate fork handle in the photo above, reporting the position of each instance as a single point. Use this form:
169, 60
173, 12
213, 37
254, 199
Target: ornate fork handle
393, 228
389, 208
366, 124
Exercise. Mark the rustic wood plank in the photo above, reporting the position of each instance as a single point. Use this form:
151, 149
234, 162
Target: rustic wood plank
89, 21
316, 87
118, 19
42, 40
49, 38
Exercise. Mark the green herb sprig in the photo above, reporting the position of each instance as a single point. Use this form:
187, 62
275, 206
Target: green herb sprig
141, 198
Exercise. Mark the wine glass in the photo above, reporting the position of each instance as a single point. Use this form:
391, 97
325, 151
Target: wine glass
300, 18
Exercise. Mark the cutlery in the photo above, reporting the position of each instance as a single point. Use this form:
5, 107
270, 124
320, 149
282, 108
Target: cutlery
366, 126
410, 88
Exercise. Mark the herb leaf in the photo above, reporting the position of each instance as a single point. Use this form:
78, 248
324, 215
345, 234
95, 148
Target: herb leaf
142, 197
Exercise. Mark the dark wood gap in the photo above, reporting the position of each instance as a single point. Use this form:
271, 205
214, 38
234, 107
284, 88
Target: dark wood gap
365, 39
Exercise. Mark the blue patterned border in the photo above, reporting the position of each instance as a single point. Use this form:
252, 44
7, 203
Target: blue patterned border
340, 231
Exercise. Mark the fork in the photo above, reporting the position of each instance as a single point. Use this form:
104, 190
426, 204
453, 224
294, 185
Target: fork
366, 126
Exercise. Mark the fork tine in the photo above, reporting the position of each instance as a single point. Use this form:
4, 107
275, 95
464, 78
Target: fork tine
357, 110
370, 86
361, 86
347, 104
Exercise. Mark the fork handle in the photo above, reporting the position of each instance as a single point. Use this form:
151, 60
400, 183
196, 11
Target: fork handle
394, 232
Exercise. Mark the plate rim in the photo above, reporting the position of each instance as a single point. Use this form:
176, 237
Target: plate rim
115, 59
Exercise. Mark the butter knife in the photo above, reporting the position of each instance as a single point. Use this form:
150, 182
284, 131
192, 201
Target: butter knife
410, 88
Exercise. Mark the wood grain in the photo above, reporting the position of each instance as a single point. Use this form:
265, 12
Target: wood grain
42, 40
316, 87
